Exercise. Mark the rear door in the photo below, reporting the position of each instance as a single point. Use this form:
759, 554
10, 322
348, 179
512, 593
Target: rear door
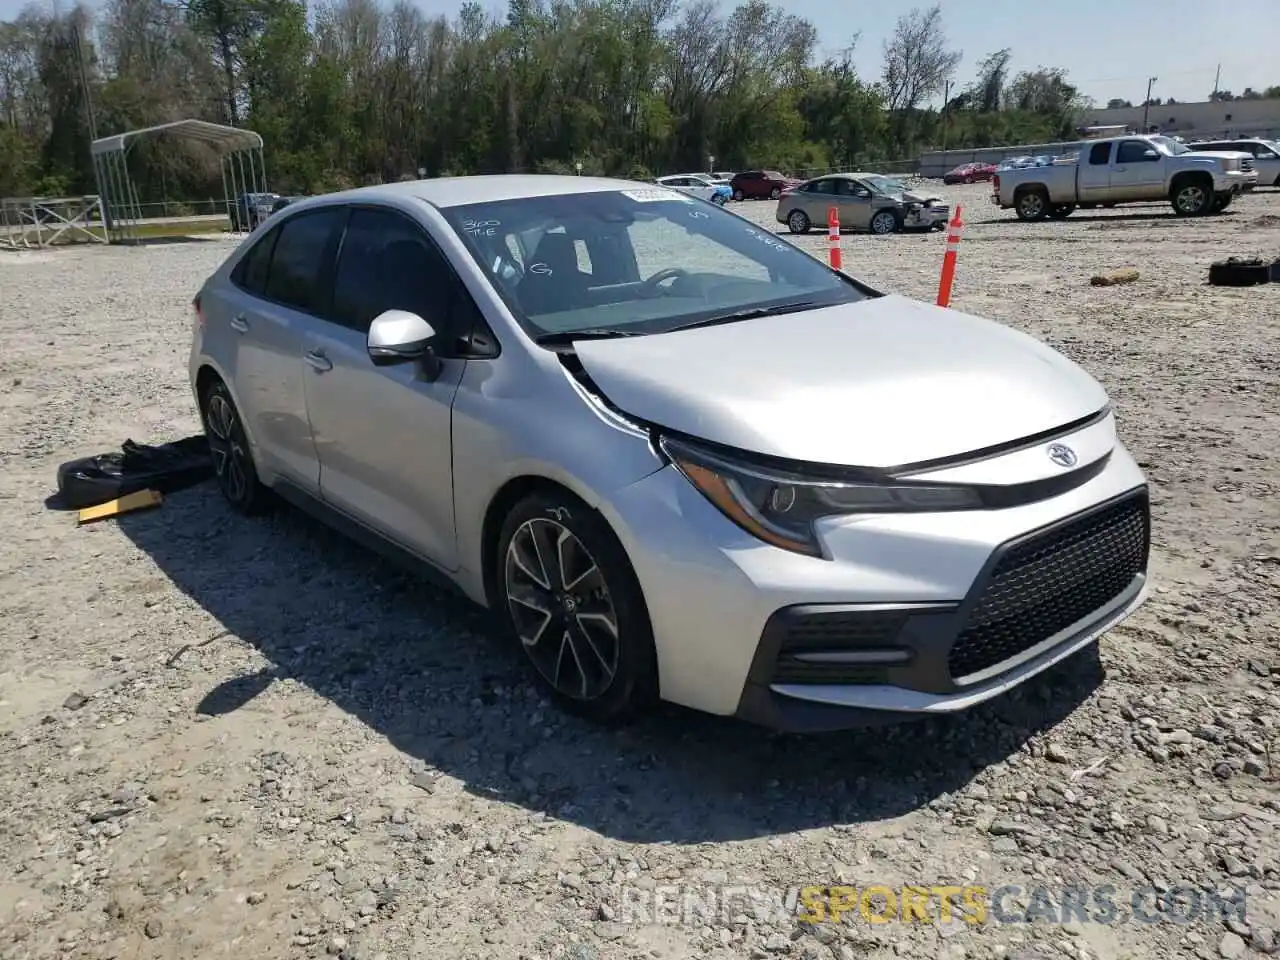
1093, 173
273, 302
382, 434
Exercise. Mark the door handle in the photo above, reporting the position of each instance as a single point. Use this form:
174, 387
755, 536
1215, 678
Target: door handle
240, 324
318, 361
1121, 169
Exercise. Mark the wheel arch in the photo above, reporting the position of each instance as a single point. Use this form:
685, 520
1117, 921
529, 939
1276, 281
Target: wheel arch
206, 375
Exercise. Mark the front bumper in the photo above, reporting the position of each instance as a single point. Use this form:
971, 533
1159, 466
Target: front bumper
1235, 182
929, 217
915, 616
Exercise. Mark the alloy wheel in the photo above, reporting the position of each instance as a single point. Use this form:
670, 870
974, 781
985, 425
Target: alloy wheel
1031, 205
883, 223
227, 447
1191, 199
561, 608
798, 222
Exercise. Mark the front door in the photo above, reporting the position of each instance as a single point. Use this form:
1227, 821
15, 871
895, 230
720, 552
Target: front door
1138, 172
383, 434
856, 204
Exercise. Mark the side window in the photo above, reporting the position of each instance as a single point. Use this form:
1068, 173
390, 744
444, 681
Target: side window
1136, 151
299, 259
1099, 154
387, 263
825, 188
250, 274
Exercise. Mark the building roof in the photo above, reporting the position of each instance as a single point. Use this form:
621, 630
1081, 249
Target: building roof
224, 138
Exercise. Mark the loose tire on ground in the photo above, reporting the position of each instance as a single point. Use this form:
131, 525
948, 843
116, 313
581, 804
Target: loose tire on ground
1221, 201
607, 668
1062, 210
1237, 272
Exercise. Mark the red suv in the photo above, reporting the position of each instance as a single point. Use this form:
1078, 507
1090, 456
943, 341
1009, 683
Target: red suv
761, 185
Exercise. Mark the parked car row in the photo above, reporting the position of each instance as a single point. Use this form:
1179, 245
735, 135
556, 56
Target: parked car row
864, 201
700, 185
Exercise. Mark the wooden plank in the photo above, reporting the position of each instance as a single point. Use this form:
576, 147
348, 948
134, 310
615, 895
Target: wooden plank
141, 500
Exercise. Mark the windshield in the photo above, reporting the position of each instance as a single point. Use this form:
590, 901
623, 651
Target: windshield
1170, 146
643, 260
886, 185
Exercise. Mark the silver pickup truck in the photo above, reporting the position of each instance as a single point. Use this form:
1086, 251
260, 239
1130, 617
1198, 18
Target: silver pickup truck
1127, 170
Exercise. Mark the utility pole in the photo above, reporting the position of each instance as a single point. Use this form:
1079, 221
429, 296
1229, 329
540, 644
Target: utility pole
1146, 104
1217, 76
946, 113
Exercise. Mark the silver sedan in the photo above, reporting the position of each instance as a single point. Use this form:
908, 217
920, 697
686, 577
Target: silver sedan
679, 457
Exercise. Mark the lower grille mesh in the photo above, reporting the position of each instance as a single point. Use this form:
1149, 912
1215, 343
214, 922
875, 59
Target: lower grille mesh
1048, 582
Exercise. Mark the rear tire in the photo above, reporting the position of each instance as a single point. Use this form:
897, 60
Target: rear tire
571, 599
1032, 204
798, 221
233, 466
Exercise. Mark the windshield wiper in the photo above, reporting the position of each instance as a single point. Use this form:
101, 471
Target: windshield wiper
560, 337
747, 314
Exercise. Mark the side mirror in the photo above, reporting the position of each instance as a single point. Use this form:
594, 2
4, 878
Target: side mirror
397, 336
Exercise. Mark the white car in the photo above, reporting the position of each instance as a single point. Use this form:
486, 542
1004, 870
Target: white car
697, 185
1265, 153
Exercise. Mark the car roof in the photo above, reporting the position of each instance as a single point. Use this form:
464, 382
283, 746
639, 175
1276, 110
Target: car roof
458, 191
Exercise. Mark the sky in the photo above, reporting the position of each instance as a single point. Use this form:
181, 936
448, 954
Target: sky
1108, 47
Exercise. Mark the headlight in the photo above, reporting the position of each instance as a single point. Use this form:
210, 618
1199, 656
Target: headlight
781, 508
1230, 164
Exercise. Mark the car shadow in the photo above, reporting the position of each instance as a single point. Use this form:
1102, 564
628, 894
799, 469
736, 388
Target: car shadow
431, 673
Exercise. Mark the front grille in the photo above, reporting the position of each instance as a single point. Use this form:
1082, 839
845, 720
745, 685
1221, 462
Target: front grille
824, 632
1052, 580
1246, 166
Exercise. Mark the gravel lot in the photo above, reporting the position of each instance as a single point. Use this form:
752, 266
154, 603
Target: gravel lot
242, 738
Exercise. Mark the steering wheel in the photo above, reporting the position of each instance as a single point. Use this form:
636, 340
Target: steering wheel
662, 276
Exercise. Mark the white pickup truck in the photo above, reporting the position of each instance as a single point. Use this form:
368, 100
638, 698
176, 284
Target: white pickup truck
1127, 170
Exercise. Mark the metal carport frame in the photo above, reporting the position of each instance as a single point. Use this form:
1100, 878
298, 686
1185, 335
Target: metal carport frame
240, 160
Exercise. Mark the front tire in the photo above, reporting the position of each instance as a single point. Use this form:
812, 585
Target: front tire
885, 222
798, 221
739, 195
1192, 199
775, 193
572, 600
233, 467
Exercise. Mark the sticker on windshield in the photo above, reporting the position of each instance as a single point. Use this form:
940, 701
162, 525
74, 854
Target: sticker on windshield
649, 196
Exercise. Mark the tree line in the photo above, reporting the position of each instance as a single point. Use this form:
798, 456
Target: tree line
352, 91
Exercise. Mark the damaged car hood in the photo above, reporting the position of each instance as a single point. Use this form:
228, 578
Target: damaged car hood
883, 382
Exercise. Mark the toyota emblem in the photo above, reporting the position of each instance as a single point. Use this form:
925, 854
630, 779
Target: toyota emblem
1062, 455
